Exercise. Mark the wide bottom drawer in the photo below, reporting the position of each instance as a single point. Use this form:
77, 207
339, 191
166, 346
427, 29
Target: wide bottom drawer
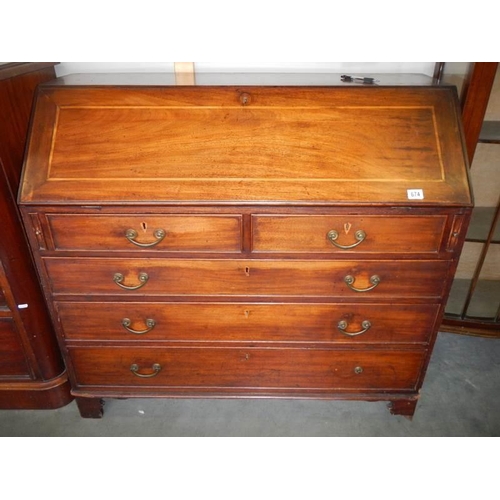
251, 368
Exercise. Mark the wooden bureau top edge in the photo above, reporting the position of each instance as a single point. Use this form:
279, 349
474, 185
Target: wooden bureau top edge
244, 145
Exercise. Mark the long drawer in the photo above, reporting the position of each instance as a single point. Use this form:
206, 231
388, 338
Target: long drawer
171, 233
247, 322
347, 234
252, 368
246, 277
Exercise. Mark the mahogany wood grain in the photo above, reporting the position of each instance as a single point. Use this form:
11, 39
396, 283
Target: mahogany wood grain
196, 233
244, 277
13, 361
28, 394
18, 83
21, 286
245, 294
308, 233
403, 407
13, 69
90, 407
203, 144
251, 368
247, 322
30, 360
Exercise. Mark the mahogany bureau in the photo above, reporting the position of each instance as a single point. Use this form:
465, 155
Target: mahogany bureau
246, 241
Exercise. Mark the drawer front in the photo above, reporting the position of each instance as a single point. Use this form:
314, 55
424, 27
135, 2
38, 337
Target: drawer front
246, 277
169, 233
247, 322
347, 234
12, 359
246, 368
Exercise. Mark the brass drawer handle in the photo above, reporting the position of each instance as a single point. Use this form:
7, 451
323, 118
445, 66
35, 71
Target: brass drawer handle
332, 235
374, 280
131, 235
358, 370
135, 370
150, 323
118, 279
342, 326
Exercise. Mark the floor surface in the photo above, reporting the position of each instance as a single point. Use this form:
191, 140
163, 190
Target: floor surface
460, 397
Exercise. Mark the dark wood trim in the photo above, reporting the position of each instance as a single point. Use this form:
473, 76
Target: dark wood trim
33, 394
438, 72
473, 327
475, 97
480, 262
13, 69
33, 322
90, 407
403, 407
45, 383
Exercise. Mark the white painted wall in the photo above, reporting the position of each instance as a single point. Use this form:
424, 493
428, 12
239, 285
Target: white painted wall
426, 68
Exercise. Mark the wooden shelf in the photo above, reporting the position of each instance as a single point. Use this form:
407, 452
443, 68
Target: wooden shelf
480, 224
484, 303
481, 316
4, 311
490, 132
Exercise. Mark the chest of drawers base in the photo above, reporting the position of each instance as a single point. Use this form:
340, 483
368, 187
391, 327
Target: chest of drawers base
246, 243
229, 311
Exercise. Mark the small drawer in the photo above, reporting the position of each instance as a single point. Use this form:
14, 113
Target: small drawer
246, 368
160, 233
238, 277
247, 322
12, 359
347, 234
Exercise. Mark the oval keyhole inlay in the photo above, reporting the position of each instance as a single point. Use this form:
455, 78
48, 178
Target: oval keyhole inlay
144, 226
247, 271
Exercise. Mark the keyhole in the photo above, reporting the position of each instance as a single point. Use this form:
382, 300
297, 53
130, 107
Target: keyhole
245, 99
347, 227
247, 271
247, 314
144, 226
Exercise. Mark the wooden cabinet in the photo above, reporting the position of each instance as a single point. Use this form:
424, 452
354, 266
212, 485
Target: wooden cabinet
255, 241
32, 373
474, 304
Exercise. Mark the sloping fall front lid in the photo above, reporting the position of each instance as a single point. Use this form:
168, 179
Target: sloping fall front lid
281, 145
